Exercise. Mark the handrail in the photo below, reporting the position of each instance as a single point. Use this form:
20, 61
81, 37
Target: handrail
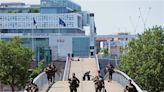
41, 81
67, 69
97, 62
122, 78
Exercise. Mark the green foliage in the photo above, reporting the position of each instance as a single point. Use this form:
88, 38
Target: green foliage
143, 60
14, 63
105, 51
36, 71
33, 10
98, 50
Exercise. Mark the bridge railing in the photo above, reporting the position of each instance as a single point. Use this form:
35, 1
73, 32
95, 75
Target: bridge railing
67, 69
122, 79
41, 81
97, 62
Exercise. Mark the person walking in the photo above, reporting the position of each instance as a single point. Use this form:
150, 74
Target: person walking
49, 72
54, 70
74, 83
130, 87
99, 84
110, 70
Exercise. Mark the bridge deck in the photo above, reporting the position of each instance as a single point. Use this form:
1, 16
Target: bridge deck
79, 68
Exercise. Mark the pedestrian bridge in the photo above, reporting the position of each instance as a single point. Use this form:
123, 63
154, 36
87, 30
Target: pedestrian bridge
79, 68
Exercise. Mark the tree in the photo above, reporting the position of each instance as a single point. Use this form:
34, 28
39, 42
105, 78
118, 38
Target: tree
105, 51
14, 63
98, 50
33, 10
143, 60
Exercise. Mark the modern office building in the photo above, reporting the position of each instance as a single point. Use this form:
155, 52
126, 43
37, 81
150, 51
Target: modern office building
56, 27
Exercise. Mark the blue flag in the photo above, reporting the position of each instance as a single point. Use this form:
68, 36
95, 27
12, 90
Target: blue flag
94, 29
61, 22
34, 23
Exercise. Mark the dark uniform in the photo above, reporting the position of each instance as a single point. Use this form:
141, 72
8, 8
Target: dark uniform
31, 87
130, 87
54, 70
49, 72
74, 83
110, 70
86, 75
99, 84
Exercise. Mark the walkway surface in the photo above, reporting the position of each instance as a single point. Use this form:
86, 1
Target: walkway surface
79, 68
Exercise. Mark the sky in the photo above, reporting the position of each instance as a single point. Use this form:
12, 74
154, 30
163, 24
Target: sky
113, 16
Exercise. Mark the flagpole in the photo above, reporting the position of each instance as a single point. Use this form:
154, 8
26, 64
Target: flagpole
32, 41
58, 40
0, 36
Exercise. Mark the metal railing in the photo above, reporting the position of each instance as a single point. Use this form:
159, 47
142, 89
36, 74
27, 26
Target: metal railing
122, 79
67, 69
41, 81
97, 62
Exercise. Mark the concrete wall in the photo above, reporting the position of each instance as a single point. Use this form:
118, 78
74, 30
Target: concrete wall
60, 45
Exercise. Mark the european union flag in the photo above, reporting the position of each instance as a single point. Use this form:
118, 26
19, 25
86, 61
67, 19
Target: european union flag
61, 22
94, 29
34, 22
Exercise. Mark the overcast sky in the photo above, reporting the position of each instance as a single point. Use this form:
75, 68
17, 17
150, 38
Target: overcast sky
112, 16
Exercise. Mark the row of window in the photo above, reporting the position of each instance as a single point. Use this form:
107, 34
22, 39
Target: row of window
59, 3
40, 31
37, 18
31, 25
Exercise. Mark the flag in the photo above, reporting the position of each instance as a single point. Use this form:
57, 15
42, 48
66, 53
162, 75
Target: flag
34, 22
94, 29
61, 22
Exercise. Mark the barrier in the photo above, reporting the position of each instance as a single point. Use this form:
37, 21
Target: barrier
97, 62
41, 81
67, 69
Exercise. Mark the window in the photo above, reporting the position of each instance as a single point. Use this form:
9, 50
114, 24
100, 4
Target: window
91, 47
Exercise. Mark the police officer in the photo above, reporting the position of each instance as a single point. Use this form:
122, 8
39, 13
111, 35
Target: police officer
99, 84
74, 83
110, 70
130, 87
86, 75
49, 72
54, 70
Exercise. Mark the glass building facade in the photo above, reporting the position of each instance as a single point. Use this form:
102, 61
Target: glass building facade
47, 26
59, 6
81, 46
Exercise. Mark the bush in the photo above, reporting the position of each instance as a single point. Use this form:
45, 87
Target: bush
36, 71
